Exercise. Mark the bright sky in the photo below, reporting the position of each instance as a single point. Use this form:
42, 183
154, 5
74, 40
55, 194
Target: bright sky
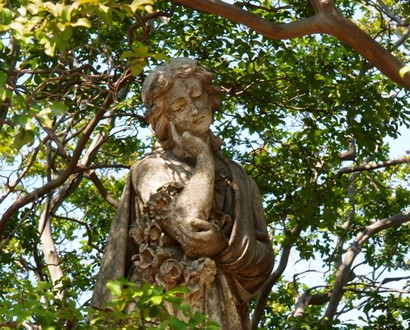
399, 146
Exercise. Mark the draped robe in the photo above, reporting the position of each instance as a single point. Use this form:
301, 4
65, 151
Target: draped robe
138, 249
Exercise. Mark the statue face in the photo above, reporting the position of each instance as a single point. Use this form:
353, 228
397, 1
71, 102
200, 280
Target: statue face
189, 106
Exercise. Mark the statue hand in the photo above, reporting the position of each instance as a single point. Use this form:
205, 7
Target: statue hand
189, 143
200, 238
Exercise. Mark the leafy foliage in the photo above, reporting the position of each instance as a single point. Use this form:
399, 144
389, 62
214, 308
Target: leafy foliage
151, 312
40, 305
308, 118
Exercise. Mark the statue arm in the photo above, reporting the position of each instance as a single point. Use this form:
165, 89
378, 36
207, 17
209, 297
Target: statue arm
187, 218
195, 200
191, 211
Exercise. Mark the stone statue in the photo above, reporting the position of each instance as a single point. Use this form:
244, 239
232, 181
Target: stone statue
188, 216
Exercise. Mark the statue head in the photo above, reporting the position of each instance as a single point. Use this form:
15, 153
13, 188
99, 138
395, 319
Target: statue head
160, 81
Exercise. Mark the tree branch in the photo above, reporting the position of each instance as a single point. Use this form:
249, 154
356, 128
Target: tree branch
49, 248
391, 15
307, 299
71, 166
262, 26
370, 167
13, 185
263, 295
342, 274
75, 158
47, 242
87, 229
99, 185
327, 20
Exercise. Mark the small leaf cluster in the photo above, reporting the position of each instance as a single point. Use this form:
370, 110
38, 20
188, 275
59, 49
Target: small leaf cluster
147, 307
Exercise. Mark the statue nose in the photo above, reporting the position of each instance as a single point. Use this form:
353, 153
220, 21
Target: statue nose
192, 107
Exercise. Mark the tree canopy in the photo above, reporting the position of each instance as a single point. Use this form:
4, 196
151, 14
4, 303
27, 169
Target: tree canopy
310, 92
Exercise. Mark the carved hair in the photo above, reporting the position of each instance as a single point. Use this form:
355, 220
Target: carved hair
159, 81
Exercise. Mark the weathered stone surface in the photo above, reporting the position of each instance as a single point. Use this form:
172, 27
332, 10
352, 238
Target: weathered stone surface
188, 216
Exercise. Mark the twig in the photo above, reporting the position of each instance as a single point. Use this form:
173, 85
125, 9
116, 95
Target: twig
87, 229
59, 180
99, 185
390, 14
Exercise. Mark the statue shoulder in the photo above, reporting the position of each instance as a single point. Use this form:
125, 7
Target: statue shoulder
152, 164
151, 161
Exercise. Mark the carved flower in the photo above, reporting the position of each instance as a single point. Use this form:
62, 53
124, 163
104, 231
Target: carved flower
148, 261
172, 273
147, 256
136, 234
153, 232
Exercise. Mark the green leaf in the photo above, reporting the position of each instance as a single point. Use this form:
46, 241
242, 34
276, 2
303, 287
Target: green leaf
6, 16
58, 108
22, 120
50, 47
18, 26
3, 79
140, 50
45, 120
114, 288
156, 300
160, 57
126, 54
177, 324
41, 286
137, 65
22, 138
66, 13
82, 22
319, 77
139, 3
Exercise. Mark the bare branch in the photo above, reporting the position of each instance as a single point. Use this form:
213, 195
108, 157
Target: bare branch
342, 274
75, 157
56, 140
307, 299
262, 299
264, 27
403, 37
371, 167
393, 279
13, 185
